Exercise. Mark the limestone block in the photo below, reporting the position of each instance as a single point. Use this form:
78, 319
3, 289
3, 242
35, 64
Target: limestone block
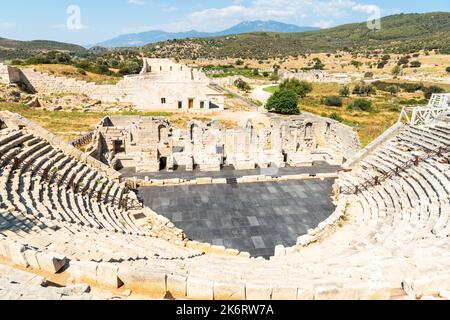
428, 284
326, 292
204, 180
280, 251
14, 252
306, 293
172, 181
258, 292
83, 271
51, 262
31, 256
148, 281
107, 275
199, 289
284, 293
217, 249
229, 291
231, 252
244, 254
176, 286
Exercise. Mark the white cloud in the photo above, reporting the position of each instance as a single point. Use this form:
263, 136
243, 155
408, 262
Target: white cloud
137, 2
293, 11
366, 8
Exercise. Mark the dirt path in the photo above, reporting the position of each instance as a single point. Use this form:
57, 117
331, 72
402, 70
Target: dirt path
259, 94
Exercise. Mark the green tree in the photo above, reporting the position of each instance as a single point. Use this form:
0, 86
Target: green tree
318, 64
274, 77
415, 64
301, 88
344, 91
242, 85
363, 89
393, 90
403, 61
284, 102
357, 64
447, 69
428, 91
128, 68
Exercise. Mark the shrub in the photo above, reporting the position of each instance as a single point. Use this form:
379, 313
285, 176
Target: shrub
129, 68
274, 76
368, 75
403, 61
255, 72
428, 91
362, 89
332, 101
301, 88
284, 102
242, 85
357, 64
239, 62
361, 104
447, 69
396, 71
265, 74
381, 64
336, 116
344, 91
318, 65
393, 89
415, 64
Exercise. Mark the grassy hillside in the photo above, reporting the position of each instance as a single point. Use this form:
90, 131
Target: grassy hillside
399, 33
39, 45
14, 49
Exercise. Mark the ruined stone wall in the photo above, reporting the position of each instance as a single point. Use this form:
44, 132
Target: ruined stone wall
317, 76
146, 92
4, 76
152, 144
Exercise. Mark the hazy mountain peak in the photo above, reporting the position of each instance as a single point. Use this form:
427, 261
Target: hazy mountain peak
152, 36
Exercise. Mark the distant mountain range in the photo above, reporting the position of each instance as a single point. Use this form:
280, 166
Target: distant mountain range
154, 36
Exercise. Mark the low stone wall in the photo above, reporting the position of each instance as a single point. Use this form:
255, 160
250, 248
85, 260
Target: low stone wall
135, 182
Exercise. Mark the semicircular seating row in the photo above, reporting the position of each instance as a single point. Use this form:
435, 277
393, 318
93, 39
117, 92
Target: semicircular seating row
46, 214
394, 236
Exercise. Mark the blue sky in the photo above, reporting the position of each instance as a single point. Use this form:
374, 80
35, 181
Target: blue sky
99, 20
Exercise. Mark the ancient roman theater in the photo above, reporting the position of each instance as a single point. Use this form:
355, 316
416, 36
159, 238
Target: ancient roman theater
292, 210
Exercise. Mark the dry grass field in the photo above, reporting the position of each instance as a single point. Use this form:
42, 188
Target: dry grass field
341, 62
73, 72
